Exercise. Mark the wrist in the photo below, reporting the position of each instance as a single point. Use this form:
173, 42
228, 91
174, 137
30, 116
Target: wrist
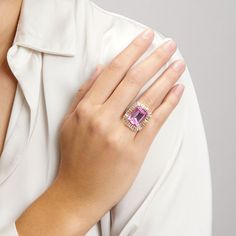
56, 212
82, 212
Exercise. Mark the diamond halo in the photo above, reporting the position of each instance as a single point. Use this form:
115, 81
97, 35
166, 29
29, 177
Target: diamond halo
136, 116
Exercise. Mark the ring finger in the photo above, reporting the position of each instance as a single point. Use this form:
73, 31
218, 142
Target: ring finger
159, 116
154, 96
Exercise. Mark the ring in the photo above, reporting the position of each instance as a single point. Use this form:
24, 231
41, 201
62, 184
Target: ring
136, 116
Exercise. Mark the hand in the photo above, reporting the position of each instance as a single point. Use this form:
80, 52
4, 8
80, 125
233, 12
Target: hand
100, 156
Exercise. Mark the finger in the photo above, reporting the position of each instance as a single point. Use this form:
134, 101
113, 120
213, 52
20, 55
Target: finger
116, 70
153, 97
84, 88
159, 116
139, 75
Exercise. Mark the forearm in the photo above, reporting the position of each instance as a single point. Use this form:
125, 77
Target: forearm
57, 212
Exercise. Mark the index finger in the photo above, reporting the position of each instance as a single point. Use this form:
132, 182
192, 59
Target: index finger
116, 70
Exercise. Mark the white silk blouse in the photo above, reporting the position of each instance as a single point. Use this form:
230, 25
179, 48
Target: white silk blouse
57, 45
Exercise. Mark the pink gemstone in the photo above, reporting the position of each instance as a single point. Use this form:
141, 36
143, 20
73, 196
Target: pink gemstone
137, 116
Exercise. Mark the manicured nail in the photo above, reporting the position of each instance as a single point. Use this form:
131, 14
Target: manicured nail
178, 65
147, 34
178, 90
169, 46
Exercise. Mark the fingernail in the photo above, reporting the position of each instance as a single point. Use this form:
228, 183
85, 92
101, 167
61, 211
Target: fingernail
178, 90
147, 34
178, 65
169, 46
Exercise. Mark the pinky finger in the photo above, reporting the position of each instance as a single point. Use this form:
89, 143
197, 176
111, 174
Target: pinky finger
159, 116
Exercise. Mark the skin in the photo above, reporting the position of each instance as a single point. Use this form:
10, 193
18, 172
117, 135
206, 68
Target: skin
9, 13
97, 154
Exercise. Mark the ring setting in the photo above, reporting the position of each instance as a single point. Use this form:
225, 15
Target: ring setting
136, 116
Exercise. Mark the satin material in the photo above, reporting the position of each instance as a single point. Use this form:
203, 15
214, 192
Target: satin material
56, 48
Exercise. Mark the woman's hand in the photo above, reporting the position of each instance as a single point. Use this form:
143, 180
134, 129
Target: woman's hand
100, 156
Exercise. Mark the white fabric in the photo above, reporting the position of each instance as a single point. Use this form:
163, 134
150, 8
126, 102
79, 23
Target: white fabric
56, 48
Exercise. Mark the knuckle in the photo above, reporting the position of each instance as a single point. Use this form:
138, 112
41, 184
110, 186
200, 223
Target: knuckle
148, 100
162, 54
116, 64
172, 101
169, 78
176, 69
83, 110
158, 119
172, 76
134, 77
113, 142
97, 125
137, 44
172, 73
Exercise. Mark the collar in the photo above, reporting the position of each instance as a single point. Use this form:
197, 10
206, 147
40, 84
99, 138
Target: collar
44, 26
47, 26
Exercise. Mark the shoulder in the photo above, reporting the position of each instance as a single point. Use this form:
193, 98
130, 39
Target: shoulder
120, 22
118, 30
108, 33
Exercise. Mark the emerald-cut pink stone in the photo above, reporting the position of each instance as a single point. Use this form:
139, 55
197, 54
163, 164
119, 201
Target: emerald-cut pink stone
137, 116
